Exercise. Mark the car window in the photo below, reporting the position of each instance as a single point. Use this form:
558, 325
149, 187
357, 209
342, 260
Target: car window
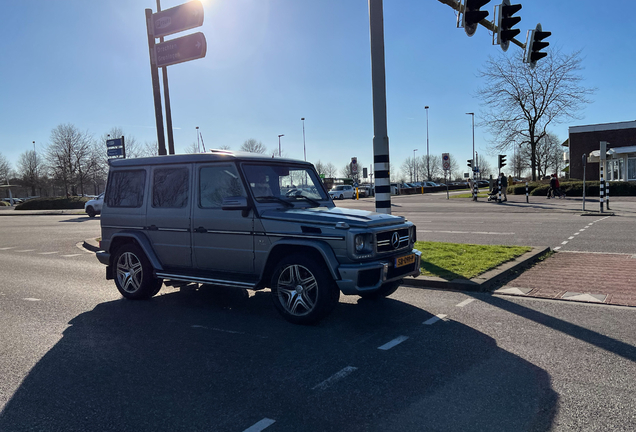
217, 182
170, 187
284, 182
126, 188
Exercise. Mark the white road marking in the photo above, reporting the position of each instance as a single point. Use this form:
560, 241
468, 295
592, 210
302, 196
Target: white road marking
26, 250
261, 425
48, 253
335, 377
581, 230
7, 248
466, 232
31, 299
570, 238
72, 255
465, 302
564, 243
557, 248
217, 329
434, 319
394, 342
577, 233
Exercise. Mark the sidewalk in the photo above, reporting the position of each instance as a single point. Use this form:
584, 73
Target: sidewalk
579, 276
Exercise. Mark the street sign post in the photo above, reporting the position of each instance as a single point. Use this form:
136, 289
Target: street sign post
179, 18
181, 49
111, 152
116, 147
116, 142
446, 161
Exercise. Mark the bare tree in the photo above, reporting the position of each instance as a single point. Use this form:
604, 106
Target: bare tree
408, 169
192, 148
5, 170
253, 146
70, 157
520, 103
330, 170
549, 155
30, 169
320, 167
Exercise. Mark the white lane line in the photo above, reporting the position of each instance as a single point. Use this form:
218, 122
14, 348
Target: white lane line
31, 299
7, 248
564, 243
335, 377
557, 248
26, 250
466, 232
260, 425
434, 319
581, 230
570, 238
48, 253
394, 342
72, 255
465, 302
217, 329
577, 233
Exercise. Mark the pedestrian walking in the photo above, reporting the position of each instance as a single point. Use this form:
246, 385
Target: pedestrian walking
552, 187
557, 187
504, 187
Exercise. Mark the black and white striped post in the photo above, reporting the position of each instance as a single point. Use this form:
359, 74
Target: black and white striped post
607, 194
499, 187
527, 195
380, 134
602, 187
475, 188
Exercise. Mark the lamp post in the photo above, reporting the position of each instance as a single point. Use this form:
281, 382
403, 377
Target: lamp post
198, 145
428, 158
35, 169
304, 148
474, 162
279, 152
414, 166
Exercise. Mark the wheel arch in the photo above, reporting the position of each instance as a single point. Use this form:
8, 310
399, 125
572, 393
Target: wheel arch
125, 237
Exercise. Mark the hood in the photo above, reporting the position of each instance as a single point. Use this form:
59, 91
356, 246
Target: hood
331, 216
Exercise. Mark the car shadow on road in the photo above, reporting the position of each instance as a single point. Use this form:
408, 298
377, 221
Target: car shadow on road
205, 360
79, 219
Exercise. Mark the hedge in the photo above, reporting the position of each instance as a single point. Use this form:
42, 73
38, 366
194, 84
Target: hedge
53, 203
575, 188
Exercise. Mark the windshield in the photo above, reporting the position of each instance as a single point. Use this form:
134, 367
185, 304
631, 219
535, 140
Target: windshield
273, 182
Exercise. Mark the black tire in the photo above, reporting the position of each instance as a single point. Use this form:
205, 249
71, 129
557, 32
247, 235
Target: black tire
90, 211
384, 291
341, 196
133, 273
303, 290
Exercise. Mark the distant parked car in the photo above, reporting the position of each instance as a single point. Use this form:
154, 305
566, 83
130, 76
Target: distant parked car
342, 192
94, 207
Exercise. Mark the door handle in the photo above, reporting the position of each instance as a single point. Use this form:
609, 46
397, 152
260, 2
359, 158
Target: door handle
153, 228
201, 230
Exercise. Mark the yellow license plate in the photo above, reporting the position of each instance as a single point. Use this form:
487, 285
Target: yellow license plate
405, 260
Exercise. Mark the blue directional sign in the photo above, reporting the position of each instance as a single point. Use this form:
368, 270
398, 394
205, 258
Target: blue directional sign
115, 152
116, 142
355, 184
181, 49
183, 17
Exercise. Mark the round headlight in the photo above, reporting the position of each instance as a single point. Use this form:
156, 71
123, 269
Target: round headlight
360, 243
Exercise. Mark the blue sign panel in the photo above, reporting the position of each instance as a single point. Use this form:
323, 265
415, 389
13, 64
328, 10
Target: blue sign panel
115, 152
181, 49
183, 17
116, 142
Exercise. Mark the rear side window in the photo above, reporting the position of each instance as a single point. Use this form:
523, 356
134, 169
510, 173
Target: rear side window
170, 187
126, 188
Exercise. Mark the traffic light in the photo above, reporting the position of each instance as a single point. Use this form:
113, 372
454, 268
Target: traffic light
472, 15
506, 22
534, 45
502, 161
470, 163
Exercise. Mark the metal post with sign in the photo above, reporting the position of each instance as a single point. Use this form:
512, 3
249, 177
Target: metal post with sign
446, 167
163, 23
116, 148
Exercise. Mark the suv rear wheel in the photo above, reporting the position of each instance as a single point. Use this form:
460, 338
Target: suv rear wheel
303, 291
133, 273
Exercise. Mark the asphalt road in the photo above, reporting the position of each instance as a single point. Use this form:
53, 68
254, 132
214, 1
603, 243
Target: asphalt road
74, 356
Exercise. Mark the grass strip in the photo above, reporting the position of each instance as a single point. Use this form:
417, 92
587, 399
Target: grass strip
464, 261
470, 195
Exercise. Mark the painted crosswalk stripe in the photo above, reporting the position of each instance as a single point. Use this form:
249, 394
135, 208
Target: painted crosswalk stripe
465, 302
335, 377
261, 425
434, 319
394, 342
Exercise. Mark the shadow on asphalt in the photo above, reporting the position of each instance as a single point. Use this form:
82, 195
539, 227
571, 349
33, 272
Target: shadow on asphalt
202, 360
604, 342
79, 219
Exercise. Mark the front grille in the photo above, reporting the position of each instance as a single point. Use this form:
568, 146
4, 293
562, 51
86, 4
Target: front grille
386, 242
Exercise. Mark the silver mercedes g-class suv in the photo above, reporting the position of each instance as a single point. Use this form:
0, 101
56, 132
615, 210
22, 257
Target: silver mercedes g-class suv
247, 221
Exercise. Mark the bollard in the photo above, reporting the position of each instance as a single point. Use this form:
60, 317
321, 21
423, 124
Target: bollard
527, 200
607, 194
499, 186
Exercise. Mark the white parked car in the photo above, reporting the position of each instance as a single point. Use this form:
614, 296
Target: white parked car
94, 207
342, 192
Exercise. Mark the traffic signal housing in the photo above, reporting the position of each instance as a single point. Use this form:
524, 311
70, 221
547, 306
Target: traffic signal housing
506, 22
534, 45
472, 15
502, 161
470, 163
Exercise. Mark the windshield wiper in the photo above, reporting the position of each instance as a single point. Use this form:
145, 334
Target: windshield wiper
275, 198
311, 200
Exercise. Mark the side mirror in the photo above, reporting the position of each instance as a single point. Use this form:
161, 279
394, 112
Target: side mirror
235, 203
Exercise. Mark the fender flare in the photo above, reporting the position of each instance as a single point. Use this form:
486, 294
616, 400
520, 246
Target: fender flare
322, 248
144, 244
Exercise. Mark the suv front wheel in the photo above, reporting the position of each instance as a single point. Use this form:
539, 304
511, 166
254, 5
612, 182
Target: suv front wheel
303, 290
133, 275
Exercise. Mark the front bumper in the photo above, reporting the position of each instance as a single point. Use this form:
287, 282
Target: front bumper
359, 278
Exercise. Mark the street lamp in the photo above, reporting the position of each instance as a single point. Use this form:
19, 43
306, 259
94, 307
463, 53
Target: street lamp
304, 148
428, 158
279, 152
474, 162
198, 145
414, 171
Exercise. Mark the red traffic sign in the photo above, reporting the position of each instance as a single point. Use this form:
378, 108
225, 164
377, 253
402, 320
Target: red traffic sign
181, 49
179, 18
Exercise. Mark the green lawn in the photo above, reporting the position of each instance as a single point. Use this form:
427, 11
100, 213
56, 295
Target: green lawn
470, 195
464, 261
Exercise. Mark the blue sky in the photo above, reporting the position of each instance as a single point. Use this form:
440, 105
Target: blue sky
271, 62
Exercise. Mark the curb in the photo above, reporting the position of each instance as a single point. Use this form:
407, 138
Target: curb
485, 281
91, 245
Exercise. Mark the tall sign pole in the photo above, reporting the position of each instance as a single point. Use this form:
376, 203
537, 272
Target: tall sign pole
380, 133
166, 98
156, 90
